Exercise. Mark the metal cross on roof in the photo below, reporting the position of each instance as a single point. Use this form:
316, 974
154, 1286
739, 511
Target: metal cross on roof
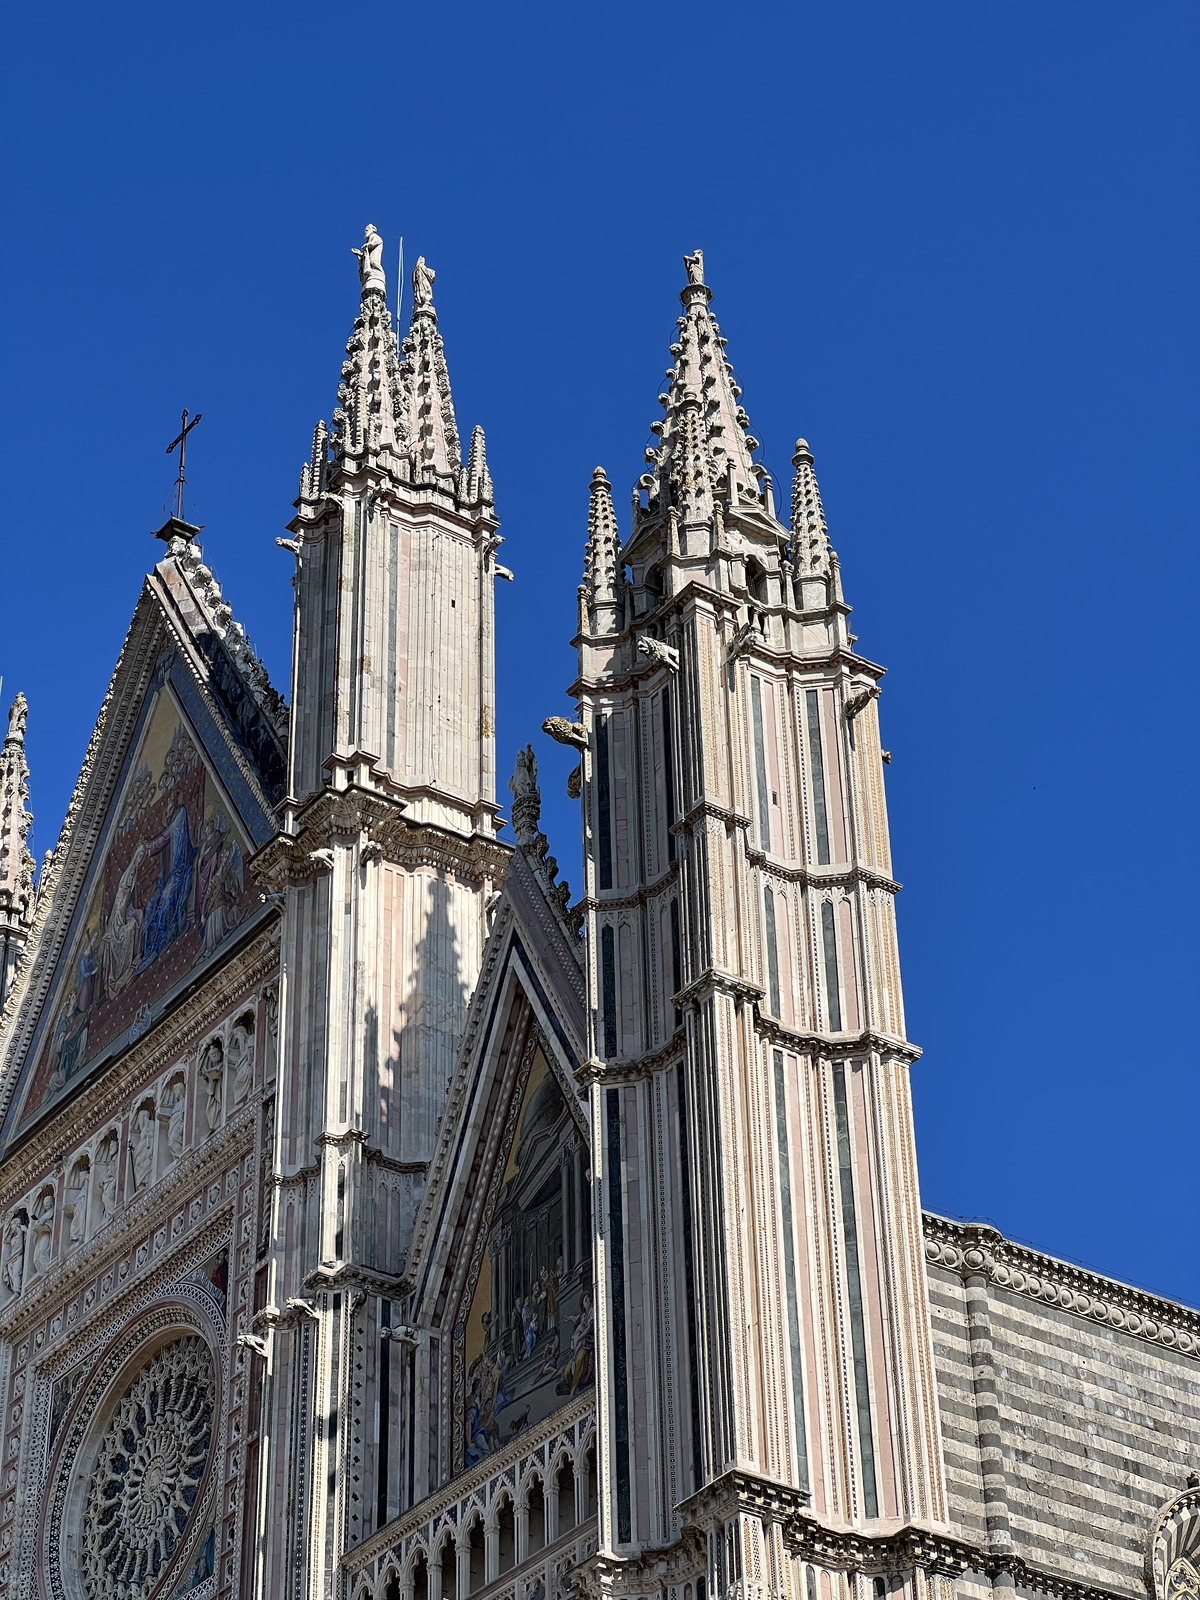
180, 442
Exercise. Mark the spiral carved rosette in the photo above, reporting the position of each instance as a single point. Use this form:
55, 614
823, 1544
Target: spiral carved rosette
148, 1471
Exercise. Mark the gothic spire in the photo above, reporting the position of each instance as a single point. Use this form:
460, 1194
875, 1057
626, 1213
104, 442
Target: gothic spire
16, 863
370, 413
432, 432
476, 485
396, 397
811, 550
704, 436
600, 563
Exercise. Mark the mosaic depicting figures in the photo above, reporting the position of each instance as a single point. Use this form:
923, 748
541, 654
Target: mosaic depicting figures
530, 1334
172, 887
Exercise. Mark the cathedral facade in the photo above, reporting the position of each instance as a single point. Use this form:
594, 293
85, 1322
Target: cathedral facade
380, 1221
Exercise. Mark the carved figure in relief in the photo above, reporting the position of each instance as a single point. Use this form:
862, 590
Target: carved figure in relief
212, 1070
75, 1202
43, 1233
141, 1145
240, 1060
107, 1157
174, 1105
13, 1272
422, 284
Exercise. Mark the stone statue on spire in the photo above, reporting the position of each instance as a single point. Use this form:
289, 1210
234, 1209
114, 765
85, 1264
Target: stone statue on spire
422, 285
17, 717
527, 797
370, 262
695, 266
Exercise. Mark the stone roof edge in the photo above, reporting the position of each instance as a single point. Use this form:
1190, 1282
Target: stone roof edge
202, 585
970, 1248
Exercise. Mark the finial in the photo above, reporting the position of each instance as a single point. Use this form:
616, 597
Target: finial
370, 263
422, 286
803, 454
17, 716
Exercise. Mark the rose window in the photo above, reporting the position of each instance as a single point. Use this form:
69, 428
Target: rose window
148, 1471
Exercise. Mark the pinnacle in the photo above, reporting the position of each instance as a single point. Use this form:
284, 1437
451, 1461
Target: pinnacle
603, 541
704, 437
811, 551
475, 487
431, 431
16, 863
394, 397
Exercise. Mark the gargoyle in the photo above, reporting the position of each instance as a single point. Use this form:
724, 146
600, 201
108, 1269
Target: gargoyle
860, 702
663, 655
565, 732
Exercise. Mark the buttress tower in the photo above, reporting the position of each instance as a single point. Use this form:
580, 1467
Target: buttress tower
385, 868
765, 1362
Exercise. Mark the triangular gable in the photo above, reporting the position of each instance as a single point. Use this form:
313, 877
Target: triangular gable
150, 881
501, 1261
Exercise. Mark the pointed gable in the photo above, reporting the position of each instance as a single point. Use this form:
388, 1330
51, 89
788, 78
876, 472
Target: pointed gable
150, 881
501, 1265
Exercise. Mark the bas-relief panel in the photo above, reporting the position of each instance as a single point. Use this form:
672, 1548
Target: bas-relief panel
530, 1331
170, 889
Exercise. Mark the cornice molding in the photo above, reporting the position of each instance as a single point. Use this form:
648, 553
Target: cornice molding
654, 1571
822, 877
643, 895
740, 1491
713, 981
971, 1249
355, 814
683, 825
615, 1072
758, 650
835, 1047
851, 1551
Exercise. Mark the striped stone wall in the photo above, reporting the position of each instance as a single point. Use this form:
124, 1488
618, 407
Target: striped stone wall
1070, 1406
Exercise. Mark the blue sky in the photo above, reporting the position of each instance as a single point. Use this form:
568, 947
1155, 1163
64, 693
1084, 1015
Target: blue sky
954, 246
